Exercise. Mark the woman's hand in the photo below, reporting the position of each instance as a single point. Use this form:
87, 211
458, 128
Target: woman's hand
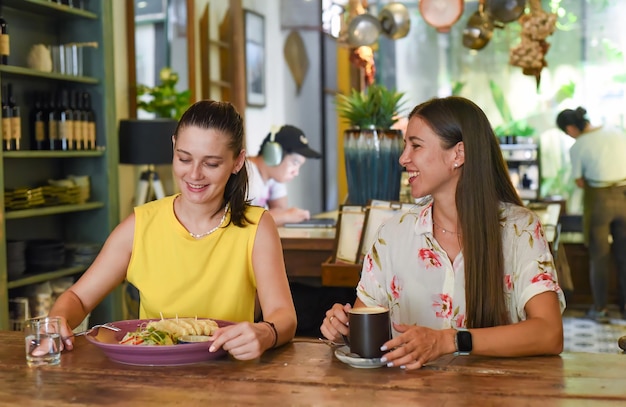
67, 335
245, 340
335, 325
417, 345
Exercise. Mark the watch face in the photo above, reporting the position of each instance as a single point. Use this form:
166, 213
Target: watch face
464, 341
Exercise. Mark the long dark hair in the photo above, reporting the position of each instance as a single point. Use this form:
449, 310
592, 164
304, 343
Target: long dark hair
483, 183
223, 117
570, 117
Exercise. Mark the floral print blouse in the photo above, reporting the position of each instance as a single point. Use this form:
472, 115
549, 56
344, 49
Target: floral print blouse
407, 271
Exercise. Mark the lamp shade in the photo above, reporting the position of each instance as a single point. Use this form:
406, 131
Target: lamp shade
146, 141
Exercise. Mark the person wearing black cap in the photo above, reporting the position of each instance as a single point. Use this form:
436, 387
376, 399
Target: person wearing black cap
280, 157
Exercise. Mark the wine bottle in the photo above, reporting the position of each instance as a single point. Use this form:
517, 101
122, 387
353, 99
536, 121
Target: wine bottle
84, 120
75, 103
16, 119
53, 123
6, 120
5, 43
66, 122
39, 137
90, 120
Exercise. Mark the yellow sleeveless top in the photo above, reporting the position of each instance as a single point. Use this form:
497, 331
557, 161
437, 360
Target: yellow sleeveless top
176, 274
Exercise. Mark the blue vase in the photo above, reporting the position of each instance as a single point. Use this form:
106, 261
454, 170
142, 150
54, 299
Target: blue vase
372, 167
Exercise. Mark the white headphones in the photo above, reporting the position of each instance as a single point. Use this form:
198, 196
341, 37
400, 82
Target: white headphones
272, 152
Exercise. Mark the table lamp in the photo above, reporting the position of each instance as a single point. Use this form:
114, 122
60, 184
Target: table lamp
147, 142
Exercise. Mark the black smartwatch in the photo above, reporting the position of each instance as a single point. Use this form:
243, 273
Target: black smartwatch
463, 342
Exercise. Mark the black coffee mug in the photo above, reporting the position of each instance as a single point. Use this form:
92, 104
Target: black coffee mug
370, 328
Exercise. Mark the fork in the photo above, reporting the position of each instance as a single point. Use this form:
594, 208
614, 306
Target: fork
90, 330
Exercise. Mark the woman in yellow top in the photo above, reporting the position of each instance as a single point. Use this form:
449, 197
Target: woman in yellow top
204, 252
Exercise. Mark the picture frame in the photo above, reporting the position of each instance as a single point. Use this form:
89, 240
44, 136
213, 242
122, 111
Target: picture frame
254, 34
348, 235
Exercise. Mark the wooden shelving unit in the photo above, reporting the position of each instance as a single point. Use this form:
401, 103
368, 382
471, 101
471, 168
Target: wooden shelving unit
43, 22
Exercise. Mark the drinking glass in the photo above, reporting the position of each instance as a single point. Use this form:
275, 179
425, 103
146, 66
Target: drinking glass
43, 341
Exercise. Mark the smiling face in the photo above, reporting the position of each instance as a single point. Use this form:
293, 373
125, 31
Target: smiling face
431, 168
203, 163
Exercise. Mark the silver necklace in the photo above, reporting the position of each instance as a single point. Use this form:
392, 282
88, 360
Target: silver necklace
445, 230
201, 235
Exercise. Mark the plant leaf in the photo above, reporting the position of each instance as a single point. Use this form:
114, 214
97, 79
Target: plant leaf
378, 106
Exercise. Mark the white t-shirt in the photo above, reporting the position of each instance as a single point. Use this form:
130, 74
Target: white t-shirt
599, 155
261, 192
408, 272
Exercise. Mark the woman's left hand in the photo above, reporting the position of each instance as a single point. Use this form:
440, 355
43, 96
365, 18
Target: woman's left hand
243, 340
415, 346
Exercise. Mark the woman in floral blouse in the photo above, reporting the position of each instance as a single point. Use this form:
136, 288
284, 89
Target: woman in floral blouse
469, 256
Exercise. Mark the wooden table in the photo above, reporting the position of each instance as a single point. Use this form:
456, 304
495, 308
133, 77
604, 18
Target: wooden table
306, 373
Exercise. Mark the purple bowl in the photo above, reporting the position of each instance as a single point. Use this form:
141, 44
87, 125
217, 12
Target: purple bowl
165, 355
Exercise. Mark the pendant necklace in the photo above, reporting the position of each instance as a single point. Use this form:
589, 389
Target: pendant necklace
201, 235
445, 230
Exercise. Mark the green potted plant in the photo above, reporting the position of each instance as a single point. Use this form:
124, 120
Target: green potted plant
163, 100
377, 107
371, 146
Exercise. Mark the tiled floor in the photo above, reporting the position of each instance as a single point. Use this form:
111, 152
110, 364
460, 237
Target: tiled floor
583, 335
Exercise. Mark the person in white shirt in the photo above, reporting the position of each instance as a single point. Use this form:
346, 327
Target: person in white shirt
599, 167
280, 157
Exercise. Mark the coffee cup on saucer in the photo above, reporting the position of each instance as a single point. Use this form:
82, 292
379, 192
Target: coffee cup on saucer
370, 328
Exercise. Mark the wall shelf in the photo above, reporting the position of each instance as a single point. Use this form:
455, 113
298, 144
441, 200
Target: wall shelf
48, 7
45, 276
51, 210
10, 70
53, 154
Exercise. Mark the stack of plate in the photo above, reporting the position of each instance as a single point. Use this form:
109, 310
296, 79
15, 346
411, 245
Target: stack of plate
82, 254
16, 258
23, 198
45, 255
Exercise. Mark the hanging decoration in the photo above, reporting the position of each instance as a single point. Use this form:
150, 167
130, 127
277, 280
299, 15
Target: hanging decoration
479, 29
360, 32
297, 59
395, 21
505, 11
530, 53
441, 14
363, 29
363, 57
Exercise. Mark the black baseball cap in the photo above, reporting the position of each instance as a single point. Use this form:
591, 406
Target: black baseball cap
292, 140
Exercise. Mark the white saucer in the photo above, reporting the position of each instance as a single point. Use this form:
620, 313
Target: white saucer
352, 359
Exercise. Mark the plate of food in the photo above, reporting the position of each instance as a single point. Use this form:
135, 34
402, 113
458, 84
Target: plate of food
157, 342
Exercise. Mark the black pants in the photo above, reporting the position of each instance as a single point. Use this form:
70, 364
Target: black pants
312, 302
604, 214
